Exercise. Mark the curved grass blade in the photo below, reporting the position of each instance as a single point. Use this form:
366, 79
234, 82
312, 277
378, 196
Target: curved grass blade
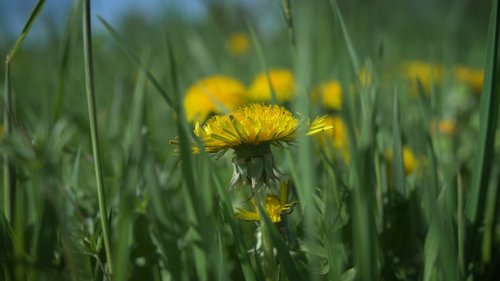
130, 52
26, 29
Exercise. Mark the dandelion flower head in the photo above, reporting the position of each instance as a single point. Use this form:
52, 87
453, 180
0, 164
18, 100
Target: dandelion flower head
213, 94
255, 124
282, 82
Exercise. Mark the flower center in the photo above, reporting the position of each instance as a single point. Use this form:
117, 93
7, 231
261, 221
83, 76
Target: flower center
252, 150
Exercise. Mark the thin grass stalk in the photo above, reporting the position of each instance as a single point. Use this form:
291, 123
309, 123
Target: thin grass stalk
9, 178
89, 82
286, 7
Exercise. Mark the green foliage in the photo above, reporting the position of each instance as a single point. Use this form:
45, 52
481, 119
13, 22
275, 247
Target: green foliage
98, 193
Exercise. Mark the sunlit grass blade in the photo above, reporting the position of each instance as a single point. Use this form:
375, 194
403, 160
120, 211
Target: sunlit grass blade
91, 100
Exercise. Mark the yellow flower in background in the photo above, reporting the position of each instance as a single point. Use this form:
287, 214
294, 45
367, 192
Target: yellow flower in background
428, 74
250, 130
410, 162
445, 127
471, 77
282, 82
213, 94
238, 43
338, 136
331, 95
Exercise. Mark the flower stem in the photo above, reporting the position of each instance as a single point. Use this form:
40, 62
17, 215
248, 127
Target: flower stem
268, 260
89, 82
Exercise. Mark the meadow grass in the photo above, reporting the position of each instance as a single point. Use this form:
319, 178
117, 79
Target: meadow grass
98, 193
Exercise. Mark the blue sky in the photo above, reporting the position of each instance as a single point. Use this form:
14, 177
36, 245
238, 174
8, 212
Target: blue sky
13, 13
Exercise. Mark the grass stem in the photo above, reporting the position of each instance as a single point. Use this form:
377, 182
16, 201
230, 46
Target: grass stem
89, 83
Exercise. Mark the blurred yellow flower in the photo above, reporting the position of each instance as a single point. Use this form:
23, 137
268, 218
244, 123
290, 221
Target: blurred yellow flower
427, 74
409, 160
445, 127
282, 82
331, 95
213, 94
255, 124
471, 77
238, 43
338, 136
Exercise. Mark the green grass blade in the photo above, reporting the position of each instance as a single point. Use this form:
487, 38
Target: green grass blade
490, 102
398, 175
26, 29
488, 118
284, 256
9, 173
350, 47
91, 100
130, 52
69, 38
260, 54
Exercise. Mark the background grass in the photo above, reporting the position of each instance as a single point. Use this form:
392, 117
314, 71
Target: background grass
170, 215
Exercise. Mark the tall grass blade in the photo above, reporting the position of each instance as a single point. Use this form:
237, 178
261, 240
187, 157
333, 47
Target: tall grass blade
490, 102
94, 134
9, 172
350, 47
135, 59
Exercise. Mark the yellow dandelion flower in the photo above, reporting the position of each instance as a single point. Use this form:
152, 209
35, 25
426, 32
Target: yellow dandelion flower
471, 77
255, 124
282, 82
213, 94
249, 131
427, 74
409, 160
276, 207
238, 43
331, 95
